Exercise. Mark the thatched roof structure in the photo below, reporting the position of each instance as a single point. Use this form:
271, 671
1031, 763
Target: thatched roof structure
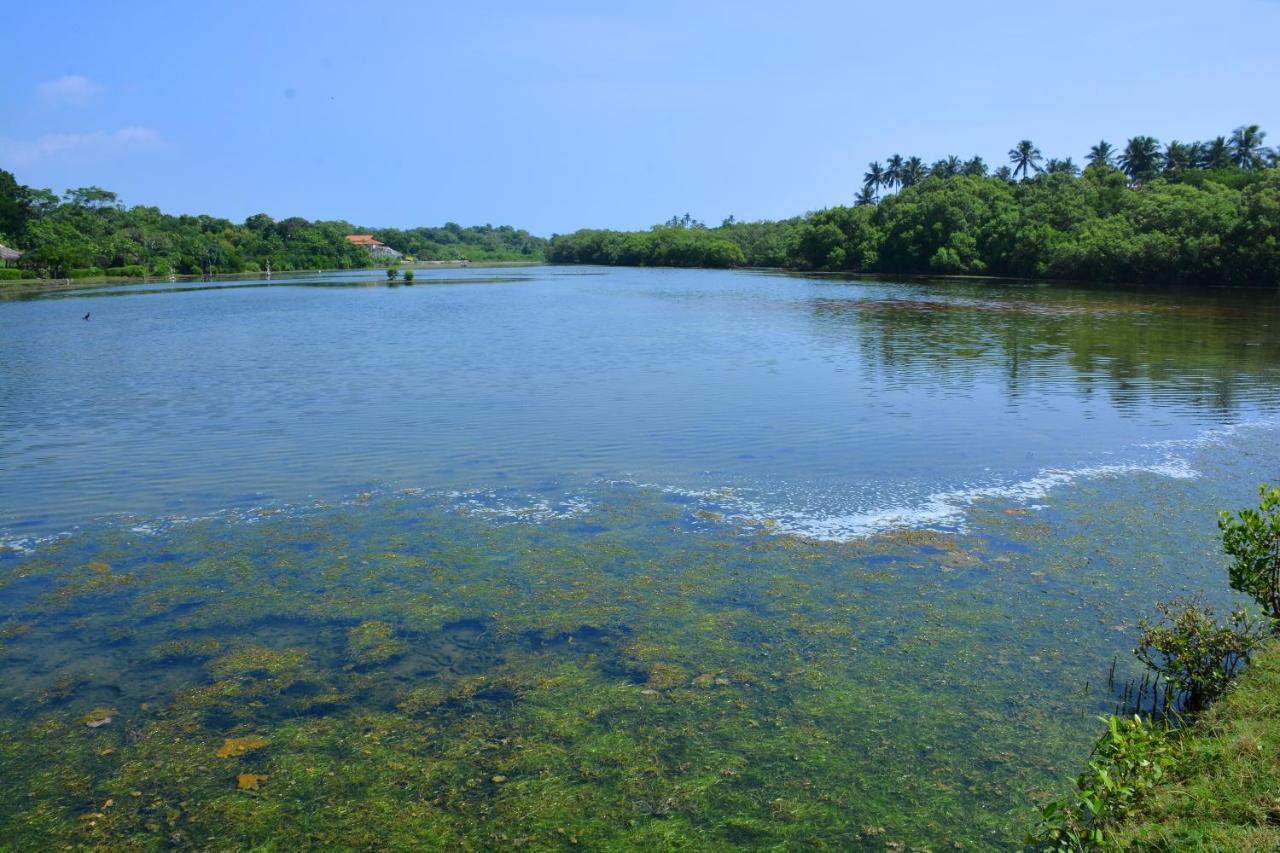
7, 254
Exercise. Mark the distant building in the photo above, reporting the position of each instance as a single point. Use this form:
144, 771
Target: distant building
8, 255
376, 247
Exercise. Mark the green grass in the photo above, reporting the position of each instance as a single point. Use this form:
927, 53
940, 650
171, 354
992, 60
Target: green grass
1224, 793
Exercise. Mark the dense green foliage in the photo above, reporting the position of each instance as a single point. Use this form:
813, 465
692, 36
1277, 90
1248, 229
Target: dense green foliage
1196, 655
89, 233
664, 246
1252, 540
1128, 762
453, 242
1196, 213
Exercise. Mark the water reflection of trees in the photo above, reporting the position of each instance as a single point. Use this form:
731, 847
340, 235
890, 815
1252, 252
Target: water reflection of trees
1203, 351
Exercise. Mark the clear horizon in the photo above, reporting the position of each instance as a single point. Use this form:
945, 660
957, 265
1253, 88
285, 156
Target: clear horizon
573, 116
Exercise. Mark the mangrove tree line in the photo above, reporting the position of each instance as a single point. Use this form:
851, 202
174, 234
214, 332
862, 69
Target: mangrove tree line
1201, 212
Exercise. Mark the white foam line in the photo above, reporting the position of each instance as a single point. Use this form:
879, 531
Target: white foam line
949, 509
945, 510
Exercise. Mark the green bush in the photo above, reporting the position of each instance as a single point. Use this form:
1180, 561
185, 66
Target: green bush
128, 271
408, 276
11, 274
1128, 762
1197, 657
392, 272
85, 272
1252, 539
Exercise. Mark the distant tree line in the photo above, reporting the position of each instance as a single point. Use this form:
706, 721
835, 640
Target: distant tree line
87, 232
454, 242
1200, 212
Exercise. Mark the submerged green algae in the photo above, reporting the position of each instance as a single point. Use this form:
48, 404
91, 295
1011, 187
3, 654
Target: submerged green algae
629, 676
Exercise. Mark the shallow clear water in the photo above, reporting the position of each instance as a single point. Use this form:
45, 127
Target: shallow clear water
730, 558
836, 406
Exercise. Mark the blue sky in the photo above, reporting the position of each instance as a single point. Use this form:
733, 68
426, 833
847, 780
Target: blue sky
558, 115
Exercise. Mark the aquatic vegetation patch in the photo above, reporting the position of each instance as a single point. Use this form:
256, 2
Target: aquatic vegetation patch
373, 643
99, 717
400, 674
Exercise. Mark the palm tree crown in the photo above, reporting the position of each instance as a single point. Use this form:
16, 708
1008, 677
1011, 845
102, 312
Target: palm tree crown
1025, 158
1214, 154
874, 178
1246, 146
1141, 159
913, 172
1065, 166
893, 172
947, 167
1179, 157
1102, 154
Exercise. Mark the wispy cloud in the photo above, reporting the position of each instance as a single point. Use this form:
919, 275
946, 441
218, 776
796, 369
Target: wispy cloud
97, 144
69, 90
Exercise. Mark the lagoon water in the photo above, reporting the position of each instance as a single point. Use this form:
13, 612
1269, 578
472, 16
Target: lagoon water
559, 556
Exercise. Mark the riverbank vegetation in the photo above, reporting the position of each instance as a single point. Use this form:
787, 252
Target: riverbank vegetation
88, 232
1187, 213
1155, 782
1222, 794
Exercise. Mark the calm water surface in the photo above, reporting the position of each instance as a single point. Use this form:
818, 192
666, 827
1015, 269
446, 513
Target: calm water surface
564, 556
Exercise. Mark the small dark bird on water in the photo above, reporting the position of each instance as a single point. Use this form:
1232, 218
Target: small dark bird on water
86, 315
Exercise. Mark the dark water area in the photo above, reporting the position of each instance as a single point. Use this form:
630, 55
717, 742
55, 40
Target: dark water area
565, 557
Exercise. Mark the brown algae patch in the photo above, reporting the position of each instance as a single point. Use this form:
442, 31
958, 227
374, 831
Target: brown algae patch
250, 781
236, 746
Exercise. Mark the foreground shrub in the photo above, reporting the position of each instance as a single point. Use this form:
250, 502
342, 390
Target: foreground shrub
1127, 763
1197, 656
1252, 539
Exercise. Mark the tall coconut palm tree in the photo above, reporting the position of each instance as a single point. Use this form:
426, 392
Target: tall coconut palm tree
913, 172
1179, 157
874, 178
1140, 159
893, 171
947, 167
1214, 154
1102, 154
1065, 166
865, 197
1246, 146
1025, 158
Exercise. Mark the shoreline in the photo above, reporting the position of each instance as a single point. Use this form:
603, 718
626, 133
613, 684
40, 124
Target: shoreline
32, 286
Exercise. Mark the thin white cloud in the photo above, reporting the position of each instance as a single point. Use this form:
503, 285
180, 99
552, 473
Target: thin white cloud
69, 90
97, 144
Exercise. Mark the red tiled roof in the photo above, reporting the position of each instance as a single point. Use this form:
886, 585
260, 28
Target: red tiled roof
363, 239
